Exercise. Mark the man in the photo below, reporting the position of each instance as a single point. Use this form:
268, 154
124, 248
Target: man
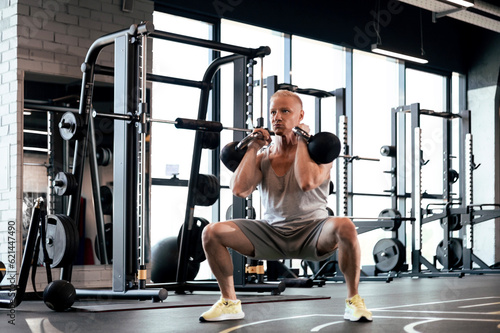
295, 224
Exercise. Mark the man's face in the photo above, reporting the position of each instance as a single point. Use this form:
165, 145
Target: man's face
286, 113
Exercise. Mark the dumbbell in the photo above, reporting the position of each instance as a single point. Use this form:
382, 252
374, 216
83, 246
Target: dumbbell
323, 147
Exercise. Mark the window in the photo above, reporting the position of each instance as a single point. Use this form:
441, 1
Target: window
373, 81
171, 146
375, 93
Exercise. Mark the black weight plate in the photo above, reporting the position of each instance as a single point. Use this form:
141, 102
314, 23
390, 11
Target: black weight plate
73, 239
195, 251
207, 191
106, 200
455, 254
65, 183
389, 254
391, 213
3, 271
454, 222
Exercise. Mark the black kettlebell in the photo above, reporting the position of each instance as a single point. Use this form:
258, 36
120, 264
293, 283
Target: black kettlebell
323, 147
231, 157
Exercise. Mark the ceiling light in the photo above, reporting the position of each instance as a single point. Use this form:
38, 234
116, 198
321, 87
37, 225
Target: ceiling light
377, 48
463, 3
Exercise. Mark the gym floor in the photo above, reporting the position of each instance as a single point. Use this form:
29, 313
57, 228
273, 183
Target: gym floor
444, 304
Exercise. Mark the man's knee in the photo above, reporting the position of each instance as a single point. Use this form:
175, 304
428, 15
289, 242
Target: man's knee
209, 234
215, 232
344, 228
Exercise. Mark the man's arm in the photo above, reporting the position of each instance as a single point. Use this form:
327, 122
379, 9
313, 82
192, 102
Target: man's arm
248, 174
309, 174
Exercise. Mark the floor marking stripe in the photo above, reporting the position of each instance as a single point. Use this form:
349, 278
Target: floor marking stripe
320, 327
234, 328
443, 312
438, 302
449, 319
410, 328
276, 319
478, 305
494, 313
41, 325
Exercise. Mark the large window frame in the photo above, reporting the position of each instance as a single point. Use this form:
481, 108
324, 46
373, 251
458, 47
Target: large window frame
349, 67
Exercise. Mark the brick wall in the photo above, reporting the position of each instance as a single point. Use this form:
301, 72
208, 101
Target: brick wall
10, 152
54, 35
49, 37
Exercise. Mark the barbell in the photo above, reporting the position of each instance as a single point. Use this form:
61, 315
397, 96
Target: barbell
323, 147
70, 126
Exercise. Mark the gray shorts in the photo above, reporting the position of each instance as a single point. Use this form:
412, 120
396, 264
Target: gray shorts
273, 242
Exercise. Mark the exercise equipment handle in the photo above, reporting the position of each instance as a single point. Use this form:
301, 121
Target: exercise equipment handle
246, 140
302, 133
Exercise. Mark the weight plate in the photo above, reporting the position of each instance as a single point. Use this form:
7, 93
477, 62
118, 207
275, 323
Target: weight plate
103, 156
455, 253
453, 221
389, 254
392, 213
61, 239
195, 250
65, 183
207, 190
74, 239
3, 271
70, 126
106, 200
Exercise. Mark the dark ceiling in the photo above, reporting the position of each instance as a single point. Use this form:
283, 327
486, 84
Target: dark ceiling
449, 44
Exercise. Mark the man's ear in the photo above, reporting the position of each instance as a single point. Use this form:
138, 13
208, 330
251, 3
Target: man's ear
301, 115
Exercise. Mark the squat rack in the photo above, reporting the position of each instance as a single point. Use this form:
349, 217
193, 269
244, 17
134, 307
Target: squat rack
457, 215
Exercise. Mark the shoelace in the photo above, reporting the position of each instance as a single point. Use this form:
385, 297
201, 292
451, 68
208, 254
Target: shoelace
357, 302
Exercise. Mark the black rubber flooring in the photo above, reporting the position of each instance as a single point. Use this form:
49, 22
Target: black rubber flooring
444, 304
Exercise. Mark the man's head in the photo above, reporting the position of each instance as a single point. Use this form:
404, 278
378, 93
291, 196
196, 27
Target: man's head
286, 111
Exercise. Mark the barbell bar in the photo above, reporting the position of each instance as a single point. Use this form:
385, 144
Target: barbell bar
184, 123
68, 128
357, 158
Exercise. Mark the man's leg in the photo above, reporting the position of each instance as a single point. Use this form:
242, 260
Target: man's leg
339, 232
217, 237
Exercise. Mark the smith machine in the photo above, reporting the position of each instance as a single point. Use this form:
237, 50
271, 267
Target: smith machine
131, 186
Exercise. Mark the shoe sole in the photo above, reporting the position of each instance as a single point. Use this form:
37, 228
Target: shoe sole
232, 316
360, 319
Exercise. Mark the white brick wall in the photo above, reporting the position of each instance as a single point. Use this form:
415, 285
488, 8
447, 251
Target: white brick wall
49, 37
8, 123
